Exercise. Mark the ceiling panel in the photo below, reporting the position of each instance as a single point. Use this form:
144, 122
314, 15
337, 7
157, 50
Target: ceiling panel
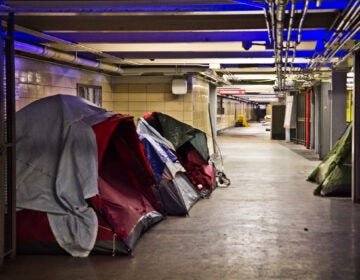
237, 36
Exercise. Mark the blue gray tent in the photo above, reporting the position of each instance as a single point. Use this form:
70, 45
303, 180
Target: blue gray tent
175, 193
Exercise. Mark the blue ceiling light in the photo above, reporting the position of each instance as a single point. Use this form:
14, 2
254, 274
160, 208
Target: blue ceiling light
340, 53
252, 4
301, 53
320, 47
24, 37
356, 36
307, 35
330, 5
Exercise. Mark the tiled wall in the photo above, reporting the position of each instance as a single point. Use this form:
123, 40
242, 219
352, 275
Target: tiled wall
127, 95
139, 95
201, 91
232, 109
36, 79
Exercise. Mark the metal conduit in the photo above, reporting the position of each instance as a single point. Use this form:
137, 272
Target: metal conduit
302, 22
353, 18
326, 45
300, 30
340, 32
343, 37
345, 40
348, 5
354, 49
66, 57
272, 17
266, 14
280, 11
292, 12
346, 13
351, 21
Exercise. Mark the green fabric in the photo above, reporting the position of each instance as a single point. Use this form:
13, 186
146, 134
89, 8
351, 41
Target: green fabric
178, 133
337, 181
334, 173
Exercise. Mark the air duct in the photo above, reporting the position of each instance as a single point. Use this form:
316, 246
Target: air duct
66, 57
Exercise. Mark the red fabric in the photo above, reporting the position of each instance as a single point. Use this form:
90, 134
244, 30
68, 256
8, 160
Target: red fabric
148, 115
128, 148
198, 170
125, 176
125, 183
33, 225
103, 132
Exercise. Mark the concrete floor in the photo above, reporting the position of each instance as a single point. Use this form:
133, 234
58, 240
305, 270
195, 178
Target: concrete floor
266, 225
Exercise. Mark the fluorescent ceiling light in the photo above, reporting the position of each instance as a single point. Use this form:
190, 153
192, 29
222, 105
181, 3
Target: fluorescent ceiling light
251, 77
207, 61
173, 47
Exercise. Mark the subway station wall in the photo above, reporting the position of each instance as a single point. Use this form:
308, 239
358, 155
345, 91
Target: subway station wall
35, 79
231, 110
135, 95
141, 94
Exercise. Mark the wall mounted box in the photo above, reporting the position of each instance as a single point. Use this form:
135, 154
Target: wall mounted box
179, 86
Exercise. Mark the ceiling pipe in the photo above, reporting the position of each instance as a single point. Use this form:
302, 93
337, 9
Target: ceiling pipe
66, 57
273, 22
345, 40
313, 62
339, 29
355, 48
302, 22
280, 12
267, 21
300, 31
353, 18
292, 12
340, 36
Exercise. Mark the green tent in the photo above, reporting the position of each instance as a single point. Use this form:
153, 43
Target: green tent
334, 173
179, 133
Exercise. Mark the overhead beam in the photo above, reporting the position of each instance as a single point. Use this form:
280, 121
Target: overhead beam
154, 6
147, 23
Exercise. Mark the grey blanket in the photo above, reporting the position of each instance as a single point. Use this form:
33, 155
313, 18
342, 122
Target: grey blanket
57, 167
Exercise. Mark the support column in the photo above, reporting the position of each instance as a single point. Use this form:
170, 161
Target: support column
324, 119
307, 118
356, 131
213, 112
338, 106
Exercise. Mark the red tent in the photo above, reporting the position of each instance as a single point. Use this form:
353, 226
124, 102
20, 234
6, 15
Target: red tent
191, 148
125, 205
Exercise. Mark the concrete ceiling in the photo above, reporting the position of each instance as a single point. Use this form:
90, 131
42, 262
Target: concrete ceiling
216, 37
